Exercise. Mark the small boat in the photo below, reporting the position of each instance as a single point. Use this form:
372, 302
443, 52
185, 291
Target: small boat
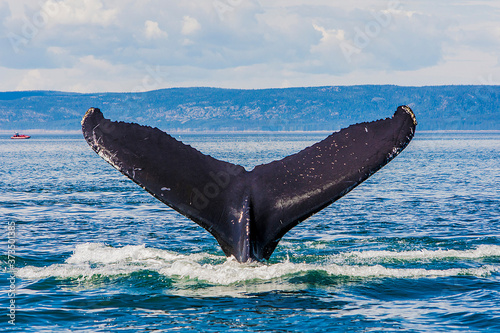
20, 136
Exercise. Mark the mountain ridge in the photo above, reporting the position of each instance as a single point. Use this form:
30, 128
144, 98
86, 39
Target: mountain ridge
325, 108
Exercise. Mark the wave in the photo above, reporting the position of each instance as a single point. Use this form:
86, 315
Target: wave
93, 260
482, 251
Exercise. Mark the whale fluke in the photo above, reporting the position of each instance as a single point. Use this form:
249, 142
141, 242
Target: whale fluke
248, 212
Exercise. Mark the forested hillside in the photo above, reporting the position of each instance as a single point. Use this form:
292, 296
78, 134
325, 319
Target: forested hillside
318, 108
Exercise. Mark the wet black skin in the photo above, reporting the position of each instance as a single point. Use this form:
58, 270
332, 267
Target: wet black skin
248, 212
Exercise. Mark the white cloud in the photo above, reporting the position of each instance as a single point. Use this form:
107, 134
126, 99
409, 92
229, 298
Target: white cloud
107, 44
78, 12
92, 63
332, 52
153, 31
31, 80
190, 25
87, 74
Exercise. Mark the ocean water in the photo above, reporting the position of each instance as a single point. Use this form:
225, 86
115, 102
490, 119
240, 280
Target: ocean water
416, 248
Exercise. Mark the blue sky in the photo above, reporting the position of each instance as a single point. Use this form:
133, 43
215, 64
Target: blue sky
129, 45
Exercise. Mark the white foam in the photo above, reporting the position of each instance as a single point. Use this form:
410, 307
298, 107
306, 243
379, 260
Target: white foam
95, 259
99, 253
483, 251
380, 271
232, 272
64, 271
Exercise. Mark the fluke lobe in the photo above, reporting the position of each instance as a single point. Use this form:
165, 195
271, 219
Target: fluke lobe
248, 212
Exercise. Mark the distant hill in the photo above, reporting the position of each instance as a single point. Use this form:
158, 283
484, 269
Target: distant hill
317, 108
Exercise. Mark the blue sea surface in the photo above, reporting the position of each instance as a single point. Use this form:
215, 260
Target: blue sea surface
416, 248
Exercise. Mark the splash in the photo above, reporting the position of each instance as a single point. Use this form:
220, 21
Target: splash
93, 260
482, 251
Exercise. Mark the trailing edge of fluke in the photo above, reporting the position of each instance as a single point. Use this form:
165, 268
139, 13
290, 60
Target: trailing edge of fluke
248, 212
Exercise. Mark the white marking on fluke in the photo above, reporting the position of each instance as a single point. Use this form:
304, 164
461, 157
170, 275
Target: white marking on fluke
410, 112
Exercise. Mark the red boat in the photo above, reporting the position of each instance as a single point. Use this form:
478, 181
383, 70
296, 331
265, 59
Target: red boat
20, 136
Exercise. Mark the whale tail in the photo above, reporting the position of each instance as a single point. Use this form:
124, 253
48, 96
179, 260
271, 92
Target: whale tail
248, 212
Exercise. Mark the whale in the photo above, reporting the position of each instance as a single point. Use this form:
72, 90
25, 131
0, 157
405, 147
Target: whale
248, 212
